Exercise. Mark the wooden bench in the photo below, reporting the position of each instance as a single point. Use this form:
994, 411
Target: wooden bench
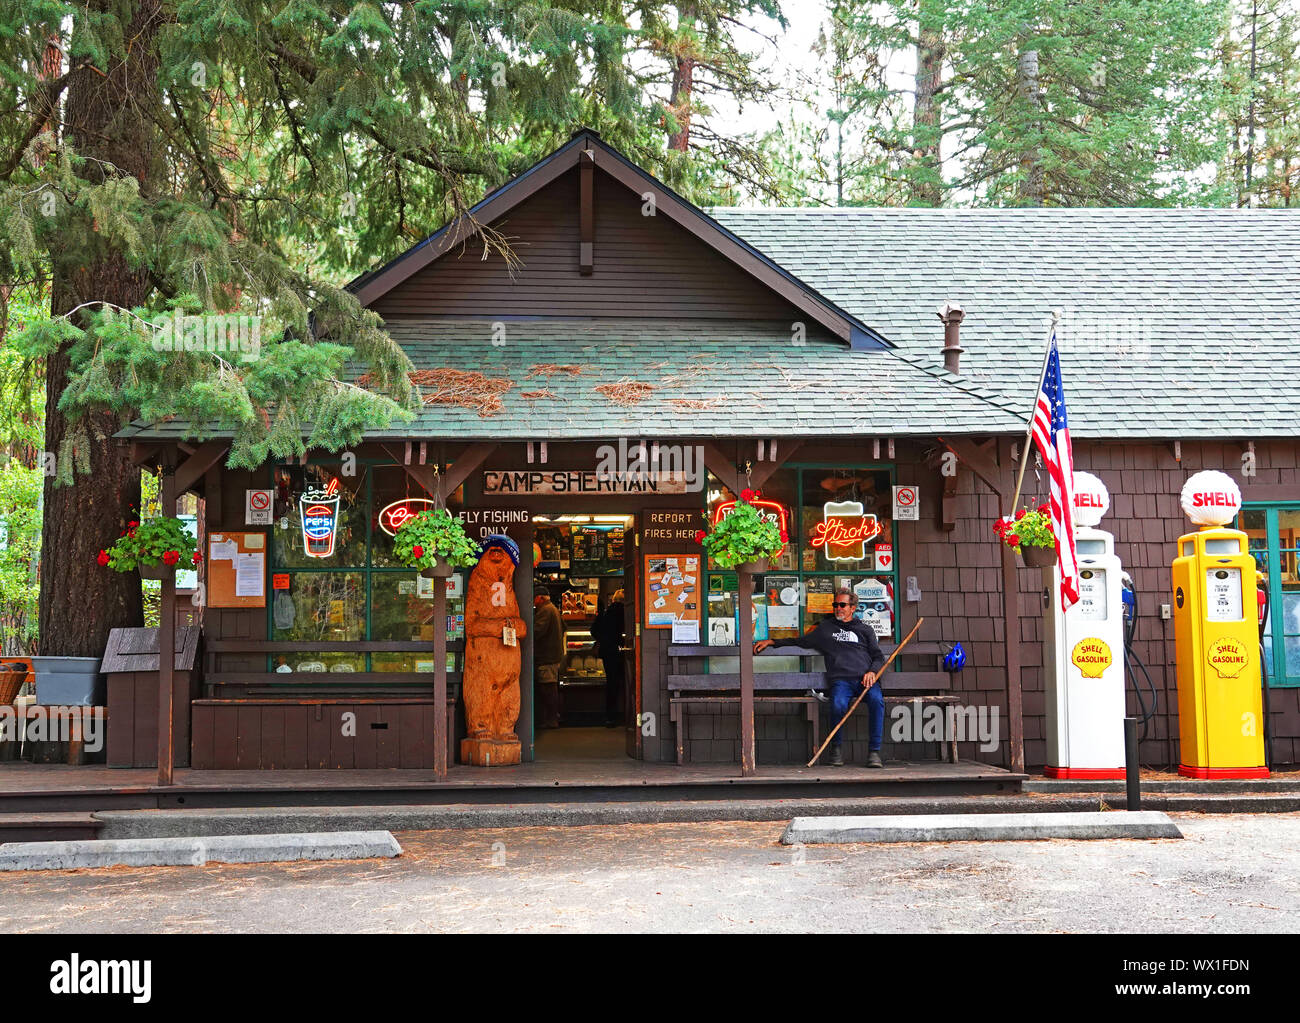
390, 693
688, 689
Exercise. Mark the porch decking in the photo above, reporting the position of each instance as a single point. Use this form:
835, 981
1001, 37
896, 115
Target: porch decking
46, 788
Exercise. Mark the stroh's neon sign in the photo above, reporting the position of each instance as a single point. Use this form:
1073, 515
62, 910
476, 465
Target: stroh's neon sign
320, 517
394, 516
844, 531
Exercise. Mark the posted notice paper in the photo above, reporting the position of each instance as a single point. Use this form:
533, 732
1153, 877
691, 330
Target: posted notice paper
249, 575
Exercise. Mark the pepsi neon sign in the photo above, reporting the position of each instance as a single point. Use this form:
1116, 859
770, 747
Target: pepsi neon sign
320, 517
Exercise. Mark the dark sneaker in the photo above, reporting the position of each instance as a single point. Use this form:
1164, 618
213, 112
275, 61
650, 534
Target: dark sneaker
874, 759
837, 758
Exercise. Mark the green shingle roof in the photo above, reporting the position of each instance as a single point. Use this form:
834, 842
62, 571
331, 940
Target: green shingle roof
708, 378
1178, 323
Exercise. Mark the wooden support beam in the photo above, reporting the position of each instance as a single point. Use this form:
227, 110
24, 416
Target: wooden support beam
423, 475
195, 467
722, 467
1011, 617
466, 462
982, 460
586, 212
765, 470
748, 759
166, 643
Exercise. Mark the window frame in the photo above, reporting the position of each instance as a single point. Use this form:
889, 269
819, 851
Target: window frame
1277, 625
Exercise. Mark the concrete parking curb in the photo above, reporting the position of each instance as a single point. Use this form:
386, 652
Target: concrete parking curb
978, 827
170, 852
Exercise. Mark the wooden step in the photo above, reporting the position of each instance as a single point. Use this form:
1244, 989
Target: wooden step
48, 827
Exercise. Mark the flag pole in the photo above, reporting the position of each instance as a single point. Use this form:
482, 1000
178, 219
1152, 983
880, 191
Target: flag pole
1029, 428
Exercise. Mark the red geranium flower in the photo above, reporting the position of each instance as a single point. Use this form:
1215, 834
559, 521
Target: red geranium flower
1020, 514
102, 559
699, 536
417, 551
1044, 509
171, 557
785, 537
1013, 540
197, 557
747, 494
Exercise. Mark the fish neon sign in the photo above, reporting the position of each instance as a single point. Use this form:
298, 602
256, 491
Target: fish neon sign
320, 517
394, 516
844, 531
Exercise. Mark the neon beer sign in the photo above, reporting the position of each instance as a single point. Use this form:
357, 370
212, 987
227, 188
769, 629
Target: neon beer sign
395, 515
844, 531
320, 517
774, 511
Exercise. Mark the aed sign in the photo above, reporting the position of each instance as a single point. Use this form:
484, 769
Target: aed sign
1092, 657
257, 507
394, 516
907, 503
1227, 656
884, 557
844, 531
1211, 498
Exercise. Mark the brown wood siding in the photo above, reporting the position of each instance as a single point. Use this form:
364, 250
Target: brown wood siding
644, 266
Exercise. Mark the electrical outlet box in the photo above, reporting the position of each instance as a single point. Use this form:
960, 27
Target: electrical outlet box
1166, 612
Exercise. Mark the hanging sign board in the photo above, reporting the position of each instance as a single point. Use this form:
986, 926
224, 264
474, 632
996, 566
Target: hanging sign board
907, 503
257, 507
676, 527
584, 483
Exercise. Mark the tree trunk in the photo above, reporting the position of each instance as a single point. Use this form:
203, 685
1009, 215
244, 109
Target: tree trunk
1031, 164
926, 135
683, 85
107, 117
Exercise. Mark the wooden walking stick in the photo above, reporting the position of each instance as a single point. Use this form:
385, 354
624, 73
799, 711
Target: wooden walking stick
897, 650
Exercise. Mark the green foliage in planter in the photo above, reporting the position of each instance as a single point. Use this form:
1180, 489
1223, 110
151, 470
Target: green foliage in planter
1030, 528
432, 535
149, 543
746, 534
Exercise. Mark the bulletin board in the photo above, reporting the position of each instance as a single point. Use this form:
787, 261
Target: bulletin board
226, 586
673, 589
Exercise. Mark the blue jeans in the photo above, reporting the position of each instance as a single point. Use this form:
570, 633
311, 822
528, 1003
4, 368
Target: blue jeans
843, 692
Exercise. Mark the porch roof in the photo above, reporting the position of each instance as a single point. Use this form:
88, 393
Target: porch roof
706, 378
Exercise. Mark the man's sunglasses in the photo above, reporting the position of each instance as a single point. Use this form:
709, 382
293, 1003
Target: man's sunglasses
842, 603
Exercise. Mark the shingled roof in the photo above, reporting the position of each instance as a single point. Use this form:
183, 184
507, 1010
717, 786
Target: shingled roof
1178, 323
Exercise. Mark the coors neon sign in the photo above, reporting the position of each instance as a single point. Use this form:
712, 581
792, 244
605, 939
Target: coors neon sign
844, 531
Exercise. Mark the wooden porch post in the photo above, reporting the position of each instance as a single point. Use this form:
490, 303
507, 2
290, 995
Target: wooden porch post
166, 641
745, 582
440, 679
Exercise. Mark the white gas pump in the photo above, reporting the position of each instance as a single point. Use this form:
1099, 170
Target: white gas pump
1083, 651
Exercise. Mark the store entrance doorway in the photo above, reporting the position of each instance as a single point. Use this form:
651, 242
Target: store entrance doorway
583, 567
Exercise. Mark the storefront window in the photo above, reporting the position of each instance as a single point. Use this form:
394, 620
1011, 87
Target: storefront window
841, 533
1273, 533
332, 540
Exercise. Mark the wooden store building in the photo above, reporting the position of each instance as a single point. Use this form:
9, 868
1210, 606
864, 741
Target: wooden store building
870, 371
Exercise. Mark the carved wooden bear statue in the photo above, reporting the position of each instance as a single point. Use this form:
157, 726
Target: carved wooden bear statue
494, 631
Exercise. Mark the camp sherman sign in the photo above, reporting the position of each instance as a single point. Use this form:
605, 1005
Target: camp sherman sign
572, 481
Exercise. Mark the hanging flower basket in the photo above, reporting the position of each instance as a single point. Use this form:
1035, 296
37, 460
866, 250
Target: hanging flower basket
745, 540
154, 548
1030, 535
436, 543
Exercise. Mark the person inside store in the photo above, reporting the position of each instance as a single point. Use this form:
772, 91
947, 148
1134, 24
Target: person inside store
853, 657
607, 631
548, 655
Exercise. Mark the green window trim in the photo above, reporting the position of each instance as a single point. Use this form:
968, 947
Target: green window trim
1279, 677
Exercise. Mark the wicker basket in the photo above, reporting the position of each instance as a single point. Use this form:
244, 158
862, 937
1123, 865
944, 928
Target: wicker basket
10, 683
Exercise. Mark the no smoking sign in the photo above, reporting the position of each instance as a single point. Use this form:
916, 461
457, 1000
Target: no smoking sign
907, 503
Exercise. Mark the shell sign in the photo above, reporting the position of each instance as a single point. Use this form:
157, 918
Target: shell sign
1092, 657
1227, 656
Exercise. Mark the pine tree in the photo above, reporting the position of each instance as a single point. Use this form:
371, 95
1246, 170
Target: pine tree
231, 157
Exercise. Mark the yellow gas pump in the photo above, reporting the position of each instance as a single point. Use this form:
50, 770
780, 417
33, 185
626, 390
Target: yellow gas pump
1220, 711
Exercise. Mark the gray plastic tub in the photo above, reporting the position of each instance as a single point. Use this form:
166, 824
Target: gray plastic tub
69, 682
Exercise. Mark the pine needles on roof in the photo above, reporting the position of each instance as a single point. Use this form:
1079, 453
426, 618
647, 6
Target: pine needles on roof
463, 389
626, 392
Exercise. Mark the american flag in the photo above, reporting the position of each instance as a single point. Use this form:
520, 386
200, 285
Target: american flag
1052, 435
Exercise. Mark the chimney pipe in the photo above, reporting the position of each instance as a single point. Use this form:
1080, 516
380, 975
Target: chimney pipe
951, 315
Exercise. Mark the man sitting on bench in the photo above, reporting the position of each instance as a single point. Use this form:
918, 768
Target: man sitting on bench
852, 659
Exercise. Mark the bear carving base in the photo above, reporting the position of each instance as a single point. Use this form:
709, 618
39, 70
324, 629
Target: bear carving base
490, 751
